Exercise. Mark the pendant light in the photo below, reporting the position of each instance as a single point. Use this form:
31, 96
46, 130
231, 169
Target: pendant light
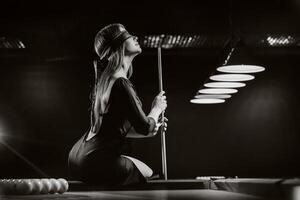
207, 101
212, 96
241, 69
218, 91
231, 77
224, 84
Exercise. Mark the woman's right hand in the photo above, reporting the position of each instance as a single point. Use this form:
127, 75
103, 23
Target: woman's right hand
160, 101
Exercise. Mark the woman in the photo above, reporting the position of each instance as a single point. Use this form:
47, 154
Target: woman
116, 114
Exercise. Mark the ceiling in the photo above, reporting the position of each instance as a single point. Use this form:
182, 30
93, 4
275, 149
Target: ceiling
55, 28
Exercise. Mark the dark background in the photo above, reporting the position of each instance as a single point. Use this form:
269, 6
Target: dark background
45, 88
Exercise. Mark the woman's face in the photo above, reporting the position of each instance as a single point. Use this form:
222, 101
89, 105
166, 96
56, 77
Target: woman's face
132, 46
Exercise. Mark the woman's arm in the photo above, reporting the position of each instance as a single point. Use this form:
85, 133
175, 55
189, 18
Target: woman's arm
142, 124
133, 134
154, 114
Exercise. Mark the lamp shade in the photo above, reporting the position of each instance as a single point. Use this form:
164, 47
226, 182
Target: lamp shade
207, 101
231, 77
224, 84
217, 91
241, 69
212, 96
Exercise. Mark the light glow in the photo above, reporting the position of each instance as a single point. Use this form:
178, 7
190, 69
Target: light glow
241, 69
218, 91
212, 96
207, 101
224, 84
231, 77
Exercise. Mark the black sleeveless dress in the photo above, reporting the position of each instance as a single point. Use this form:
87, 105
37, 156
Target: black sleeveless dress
99, 159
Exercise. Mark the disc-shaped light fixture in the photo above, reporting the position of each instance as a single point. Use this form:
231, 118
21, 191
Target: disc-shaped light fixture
224, 84
217, 91
207, 101
241, 69
212, 96
231, 77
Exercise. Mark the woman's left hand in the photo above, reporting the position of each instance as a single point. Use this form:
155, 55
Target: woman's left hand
161, 124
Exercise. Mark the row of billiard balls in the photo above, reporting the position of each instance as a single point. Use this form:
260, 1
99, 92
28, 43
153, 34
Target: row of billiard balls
33, 186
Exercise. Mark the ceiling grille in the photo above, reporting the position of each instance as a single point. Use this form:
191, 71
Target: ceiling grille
208, 41
182, 41
11, 43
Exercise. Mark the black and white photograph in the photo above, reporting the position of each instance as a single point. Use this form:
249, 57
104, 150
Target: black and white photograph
150, 100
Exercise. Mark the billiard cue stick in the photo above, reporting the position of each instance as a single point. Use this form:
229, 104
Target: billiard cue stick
162, 135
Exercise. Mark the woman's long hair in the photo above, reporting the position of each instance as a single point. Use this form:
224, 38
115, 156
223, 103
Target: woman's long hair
114, 61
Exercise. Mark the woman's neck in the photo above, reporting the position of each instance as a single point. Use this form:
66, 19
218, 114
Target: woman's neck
125, 67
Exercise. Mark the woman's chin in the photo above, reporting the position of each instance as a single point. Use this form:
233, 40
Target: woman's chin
138, 51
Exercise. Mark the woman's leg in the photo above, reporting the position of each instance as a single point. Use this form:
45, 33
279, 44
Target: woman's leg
121, 170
